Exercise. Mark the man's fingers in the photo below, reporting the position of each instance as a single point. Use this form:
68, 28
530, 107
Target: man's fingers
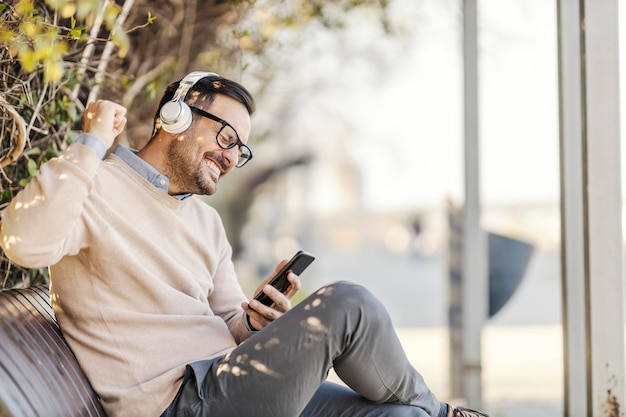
105, 119
295, 286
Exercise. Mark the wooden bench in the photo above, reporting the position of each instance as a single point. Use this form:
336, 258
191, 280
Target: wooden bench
39, 375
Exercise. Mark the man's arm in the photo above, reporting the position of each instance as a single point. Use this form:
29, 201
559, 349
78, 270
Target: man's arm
43, 222
227, 295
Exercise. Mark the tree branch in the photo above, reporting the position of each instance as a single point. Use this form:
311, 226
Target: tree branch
108, 50
88, 51
144, 79
20, 140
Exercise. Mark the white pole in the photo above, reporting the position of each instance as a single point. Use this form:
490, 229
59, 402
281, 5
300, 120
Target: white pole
474, 277
591, 204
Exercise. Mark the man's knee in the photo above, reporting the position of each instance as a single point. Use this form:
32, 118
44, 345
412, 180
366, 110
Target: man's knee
349, 295
343, 291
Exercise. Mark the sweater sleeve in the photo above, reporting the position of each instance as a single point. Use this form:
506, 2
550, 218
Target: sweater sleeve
43, 222
227, 295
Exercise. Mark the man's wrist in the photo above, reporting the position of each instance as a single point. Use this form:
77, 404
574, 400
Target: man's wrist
249, 325
93, 142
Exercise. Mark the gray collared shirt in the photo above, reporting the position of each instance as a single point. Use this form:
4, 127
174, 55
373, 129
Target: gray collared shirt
129, 156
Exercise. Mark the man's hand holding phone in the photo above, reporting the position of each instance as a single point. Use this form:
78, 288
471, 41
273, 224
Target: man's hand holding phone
274, 295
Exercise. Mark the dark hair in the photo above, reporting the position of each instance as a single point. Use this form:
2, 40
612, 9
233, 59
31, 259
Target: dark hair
207, 88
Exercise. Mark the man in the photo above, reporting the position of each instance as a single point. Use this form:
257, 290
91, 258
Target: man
145, 292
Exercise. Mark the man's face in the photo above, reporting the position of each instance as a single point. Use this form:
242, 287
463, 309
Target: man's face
195, 162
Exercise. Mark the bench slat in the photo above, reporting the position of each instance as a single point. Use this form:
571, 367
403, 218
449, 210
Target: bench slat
39, 375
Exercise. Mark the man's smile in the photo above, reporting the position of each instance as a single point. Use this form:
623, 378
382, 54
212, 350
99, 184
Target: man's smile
213, 167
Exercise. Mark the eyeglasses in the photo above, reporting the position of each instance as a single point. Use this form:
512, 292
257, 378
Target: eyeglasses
227, 137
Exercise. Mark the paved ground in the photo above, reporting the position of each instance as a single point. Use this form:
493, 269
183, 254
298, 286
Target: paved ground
522, 345
522, 367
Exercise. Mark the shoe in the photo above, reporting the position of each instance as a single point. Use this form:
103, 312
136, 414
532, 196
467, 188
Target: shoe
464, 412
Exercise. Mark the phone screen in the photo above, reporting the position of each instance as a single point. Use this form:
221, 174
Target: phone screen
297, 265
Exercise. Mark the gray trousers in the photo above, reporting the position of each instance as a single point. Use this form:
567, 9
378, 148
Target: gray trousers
280, 370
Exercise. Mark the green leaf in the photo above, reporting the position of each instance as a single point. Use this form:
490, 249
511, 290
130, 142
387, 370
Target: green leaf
120, 38
32, 167
32, 151
5, 197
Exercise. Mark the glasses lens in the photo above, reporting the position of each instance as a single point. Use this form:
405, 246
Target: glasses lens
244, 155
227, 137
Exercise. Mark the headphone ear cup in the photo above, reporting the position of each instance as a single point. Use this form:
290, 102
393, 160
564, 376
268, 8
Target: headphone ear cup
175, 116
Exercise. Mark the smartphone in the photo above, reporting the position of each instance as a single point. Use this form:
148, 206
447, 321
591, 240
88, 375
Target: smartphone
300, 261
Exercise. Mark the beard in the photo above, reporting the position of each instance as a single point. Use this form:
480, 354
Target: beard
186, 168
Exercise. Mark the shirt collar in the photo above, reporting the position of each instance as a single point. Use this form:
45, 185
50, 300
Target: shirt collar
147, 171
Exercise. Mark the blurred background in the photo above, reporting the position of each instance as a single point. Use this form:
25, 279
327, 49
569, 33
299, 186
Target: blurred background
378, 118
357, 142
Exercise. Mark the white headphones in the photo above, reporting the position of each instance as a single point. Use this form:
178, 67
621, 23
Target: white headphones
175, 115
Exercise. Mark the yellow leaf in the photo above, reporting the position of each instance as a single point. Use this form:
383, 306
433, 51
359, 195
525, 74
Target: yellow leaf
42, 47
24, 7
68, 10
13, 50
27, 58
59, 48
247, 44
7, 35
29, 28
87, 7
56, 4
110, 14
120, 38
53, 71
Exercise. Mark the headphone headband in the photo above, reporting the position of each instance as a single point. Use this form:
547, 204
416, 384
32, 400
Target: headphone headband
189, 81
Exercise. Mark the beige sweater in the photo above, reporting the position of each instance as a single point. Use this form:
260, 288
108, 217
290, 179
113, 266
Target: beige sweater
141, 283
